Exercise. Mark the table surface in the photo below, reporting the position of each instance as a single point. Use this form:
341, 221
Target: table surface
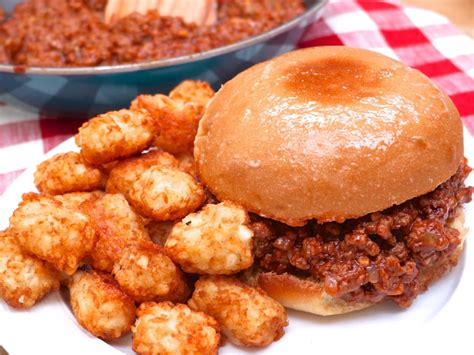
460, 12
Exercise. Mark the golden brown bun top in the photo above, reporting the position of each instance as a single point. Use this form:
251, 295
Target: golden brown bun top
328, 133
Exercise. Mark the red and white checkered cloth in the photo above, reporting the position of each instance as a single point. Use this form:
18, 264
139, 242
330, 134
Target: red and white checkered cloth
419, 38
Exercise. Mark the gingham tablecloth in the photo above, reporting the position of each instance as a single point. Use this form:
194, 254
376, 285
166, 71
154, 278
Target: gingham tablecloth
420, 38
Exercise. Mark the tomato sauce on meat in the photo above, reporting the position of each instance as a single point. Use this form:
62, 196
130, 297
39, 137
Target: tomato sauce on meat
379, 255
56, 33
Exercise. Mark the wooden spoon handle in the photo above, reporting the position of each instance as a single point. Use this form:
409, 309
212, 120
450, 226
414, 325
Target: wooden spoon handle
199, 12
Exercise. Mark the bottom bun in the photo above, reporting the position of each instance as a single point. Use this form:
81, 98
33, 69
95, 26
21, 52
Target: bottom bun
305, 295
308, 295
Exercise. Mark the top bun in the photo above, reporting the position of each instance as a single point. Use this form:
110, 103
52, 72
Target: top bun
327, 133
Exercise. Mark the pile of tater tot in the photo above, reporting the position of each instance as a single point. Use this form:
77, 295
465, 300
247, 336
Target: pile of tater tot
126, 226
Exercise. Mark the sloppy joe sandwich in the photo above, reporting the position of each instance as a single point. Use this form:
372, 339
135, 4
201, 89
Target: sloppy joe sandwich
352, 167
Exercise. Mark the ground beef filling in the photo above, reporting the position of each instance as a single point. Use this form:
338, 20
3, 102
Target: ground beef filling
380, 255
57, 33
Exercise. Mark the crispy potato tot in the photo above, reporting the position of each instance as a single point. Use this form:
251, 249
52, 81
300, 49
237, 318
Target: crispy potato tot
24, 279
177, 121
247, 315
186, 163
47, 228
100, 306
68, 172
126, 172
164, 328
159, 231
115, 135
116, 225
74, 200
198, 92
107, 167
146, 273
166, 194
213, 241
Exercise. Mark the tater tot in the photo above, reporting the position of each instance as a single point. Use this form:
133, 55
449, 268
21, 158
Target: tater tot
213, 241
24, 279
115, 135
186, 163
126, 172
100, 306
116, 225
68, 172
177, 121
74, 200
247, 315
159, 231
164, 328
107, 167
198, 92
47, 228
166, 194
146, 273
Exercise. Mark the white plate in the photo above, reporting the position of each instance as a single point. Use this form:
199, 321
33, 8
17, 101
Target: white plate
435, 322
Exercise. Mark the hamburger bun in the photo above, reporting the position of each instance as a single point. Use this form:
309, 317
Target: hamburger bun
308, 295
327, 133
